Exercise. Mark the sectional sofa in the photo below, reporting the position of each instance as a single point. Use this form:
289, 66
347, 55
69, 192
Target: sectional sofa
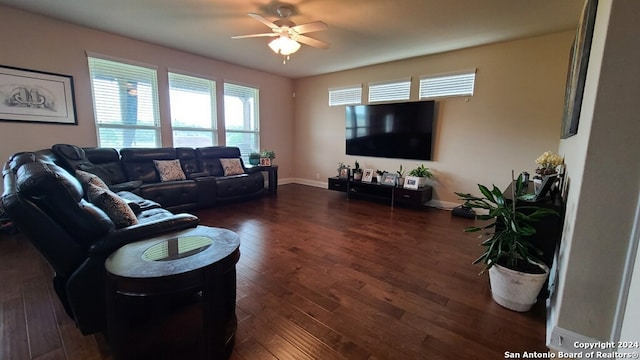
78, 205
200, 177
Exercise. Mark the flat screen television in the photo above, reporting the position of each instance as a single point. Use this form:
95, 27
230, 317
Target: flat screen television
398, 130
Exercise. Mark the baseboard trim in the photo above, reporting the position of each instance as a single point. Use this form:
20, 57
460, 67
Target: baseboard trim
568, 342
320, 184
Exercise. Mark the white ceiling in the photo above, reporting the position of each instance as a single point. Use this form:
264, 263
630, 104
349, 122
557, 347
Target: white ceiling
361, 32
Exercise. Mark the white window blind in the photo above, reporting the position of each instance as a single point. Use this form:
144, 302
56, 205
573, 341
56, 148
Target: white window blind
345, 96
125, 101
461, 84
390, 91
193, 111
241, 120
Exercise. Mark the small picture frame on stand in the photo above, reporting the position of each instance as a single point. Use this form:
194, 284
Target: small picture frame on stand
344, 172
411, 182
389, 179
265, 161
367, 175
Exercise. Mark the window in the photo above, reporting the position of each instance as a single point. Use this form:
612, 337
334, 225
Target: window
345, 96
460, 84
242, 125
390, 91
125, 102
193, 111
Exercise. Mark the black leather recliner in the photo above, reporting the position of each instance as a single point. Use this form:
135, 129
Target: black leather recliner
46, 203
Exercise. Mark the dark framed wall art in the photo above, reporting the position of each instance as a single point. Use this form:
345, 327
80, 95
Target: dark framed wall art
577, 72
36, 96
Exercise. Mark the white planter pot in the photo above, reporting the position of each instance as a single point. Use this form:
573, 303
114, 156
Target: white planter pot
422, 181
516, 290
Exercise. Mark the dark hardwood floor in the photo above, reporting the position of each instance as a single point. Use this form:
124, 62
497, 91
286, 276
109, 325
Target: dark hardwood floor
320, 277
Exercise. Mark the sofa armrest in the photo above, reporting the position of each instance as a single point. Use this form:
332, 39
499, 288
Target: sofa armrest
118, 238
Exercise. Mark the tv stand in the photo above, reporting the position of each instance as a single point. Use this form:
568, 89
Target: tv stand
392, 195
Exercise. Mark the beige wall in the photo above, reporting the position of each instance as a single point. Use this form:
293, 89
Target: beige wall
604, 176
35, 42
513, 116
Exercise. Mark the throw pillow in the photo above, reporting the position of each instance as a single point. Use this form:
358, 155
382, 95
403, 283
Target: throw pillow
169, 170
113, 205
87, 178
231, 167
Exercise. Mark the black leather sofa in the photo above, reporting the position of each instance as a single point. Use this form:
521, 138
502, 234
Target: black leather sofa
49, 202
133, 169
49, 205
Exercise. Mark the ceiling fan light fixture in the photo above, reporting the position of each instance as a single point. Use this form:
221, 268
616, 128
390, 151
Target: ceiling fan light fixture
284, 46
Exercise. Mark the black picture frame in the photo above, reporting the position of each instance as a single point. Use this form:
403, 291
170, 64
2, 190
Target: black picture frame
389, 179
36, 96
577, 72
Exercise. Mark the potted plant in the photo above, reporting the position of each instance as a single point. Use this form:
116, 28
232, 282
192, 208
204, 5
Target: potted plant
547, 162
379, 174
254, 158
266, 157
423, 173
515, 273
357, 172
400, 173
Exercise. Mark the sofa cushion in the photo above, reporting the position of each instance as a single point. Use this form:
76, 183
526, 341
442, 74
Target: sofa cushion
169, 170
231, 167
209, 158
87, 179
138, 162
105, 162
112, 204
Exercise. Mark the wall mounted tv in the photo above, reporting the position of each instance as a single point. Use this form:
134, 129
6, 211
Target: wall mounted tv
398, 130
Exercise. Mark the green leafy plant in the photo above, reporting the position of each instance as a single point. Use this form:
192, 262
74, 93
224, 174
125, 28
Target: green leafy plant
254, 158
380, 172
268, 154
511, 222
401, 171
421, 171
356, 167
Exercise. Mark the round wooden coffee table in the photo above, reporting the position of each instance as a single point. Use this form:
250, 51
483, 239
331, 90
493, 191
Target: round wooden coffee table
193, 271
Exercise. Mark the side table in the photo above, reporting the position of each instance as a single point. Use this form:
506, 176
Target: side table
272, 176
174, 295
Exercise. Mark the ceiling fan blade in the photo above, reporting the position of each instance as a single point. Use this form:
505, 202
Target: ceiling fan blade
311, 42
254, 35
310, 27
264, 21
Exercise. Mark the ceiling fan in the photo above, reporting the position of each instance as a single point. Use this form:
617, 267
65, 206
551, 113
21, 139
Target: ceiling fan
288, 35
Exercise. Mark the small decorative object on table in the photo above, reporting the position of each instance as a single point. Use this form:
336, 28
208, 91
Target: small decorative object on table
400, 173
389, 179
411, 182
367, 176
422, 173
343, 170
548, 162
254, 158
266, 157
357, 172
379, 174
